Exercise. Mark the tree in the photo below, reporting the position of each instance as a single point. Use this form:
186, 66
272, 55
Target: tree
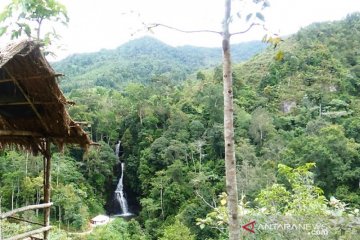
260, 125
294, 199
230, 160
177, 231
118, 229
336, 157
304, 198
69, 199
27, 17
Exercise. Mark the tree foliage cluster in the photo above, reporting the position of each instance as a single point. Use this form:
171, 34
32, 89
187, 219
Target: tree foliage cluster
298, 210
78, 183
26, 18
141, 60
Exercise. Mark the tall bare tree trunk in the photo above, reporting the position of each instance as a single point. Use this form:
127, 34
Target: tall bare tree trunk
59, 217
12, 196
26, 163
162, 202
37, 200
17, 193
230, 161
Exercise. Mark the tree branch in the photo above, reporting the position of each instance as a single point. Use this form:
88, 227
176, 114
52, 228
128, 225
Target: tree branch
154, 25
222, 230
246, 30
202, 198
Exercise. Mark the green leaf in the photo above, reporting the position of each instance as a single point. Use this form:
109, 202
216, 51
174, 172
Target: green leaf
15, 34
279, 55
3, 30
275, 41
202, 226
27, 30
260, 16
5, 14
248, 17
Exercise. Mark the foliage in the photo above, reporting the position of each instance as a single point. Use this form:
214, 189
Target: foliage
303, 199
28, 17
177, 231
143, 60
260, 125
118, 229
335, 155
301, 204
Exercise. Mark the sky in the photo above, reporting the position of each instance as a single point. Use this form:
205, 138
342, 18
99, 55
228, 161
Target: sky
106, 24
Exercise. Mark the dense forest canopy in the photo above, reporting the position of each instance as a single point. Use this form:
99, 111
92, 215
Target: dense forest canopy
143, 60
297, 122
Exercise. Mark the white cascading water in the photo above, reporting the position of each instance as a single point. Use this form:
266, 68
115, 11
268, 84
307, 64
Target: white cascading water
119, 193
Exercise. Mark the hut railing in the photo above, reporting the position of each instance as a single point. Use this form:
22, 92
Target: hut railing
26, 208
10, 214
29, 234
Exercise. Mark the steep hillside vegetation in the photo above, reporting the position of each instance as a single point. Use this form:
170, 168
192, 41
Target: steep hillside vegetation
310, 88
295, 105
319, 64
142, 60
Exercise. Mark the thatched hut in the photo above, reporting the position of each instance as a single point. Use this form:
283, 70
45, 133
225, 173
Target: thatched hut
33, 113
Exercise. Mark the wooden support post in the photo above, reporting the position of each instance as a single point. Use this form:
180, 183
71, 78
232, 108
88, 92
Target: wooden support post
0, 221
47, 187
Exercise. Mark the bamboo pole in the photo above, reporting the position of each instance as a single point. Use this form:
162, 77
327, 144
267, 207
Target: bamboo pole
25, 220
5, 80
19, 133
9, 103
47, 187
22, 209
34, 77
28, 234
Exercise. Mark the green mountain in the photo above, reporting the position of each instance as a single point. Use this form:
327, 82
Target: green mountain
306, 94
141, 60
319, 65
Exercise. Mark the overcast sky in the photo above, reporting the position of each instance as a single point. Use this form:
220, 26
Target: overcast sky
97, 24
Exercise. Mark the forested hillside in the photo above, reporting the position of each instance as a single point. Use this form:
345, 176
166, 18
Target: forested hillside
297, 123
142, 60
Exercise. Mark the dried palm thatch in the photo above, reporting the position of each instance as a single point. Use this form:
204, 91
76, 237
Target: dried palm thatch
32, 107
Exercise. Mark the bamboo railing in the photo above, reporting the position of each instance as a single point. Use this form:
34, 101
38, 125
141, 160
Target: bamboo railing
29, 234
22, 209
9, 214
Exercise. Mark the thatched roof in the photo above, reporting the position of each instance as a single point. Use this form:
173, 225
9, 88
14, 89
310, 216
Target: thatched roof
32, 107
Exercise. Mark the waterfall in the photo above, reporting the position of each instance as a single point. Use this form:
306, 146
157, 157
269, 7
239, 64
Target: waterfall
119, 193
117, 149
